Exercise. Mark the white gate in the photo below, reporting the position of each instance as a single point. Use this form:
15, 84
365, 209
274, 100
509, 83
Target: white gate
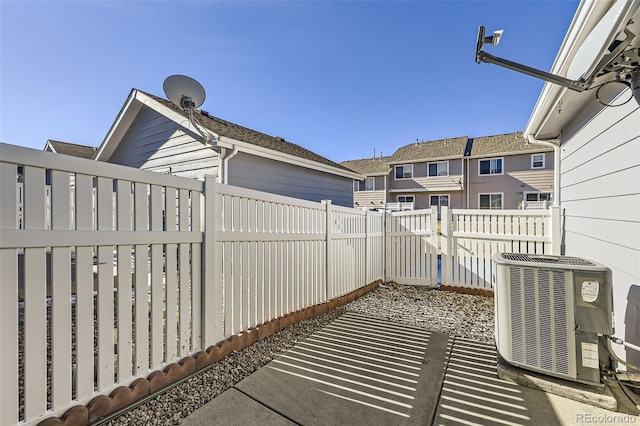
412, 248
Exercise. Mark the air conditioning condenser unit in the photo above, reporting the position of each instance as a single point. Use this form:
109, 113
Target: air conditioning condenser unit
551, 314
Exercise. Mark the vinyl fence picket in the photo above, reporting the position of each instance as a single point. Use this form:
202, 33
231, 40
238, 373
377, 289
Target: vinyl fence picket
61, 294
35, 315
9, 337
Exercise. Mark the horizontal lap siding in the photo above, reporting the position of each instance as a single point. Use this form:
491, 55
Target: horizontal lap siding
369, 199
262, 174
153, 142
600, 192
518, 178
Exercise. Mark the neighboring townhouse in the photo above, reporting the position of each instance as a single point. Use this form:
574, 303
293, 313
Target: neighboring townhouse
66, 148
505, 172
371, 192
428, 174
152, 133
599, 150
490, 172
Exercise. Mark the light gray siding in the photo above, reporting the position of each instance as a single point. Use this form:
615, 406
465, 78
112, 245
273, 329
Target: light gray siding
600, 195
153, 142
262, 174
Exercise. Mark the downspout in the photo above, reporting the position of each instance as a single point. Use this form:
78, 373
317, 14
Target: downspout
464, 176
222, 153
468, 183
225, 162
556, 165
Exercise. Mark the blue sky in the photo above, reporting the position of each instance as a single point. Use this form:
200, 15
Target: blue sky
339, 78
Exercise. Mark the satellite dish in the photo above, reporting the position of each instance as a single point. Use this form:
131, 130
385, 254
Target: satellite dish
184, 91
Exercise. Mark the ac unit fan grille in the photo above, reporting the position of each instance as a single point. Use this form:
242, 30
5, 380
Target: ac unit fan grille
560, 315
544, 295
542, 258
538, 319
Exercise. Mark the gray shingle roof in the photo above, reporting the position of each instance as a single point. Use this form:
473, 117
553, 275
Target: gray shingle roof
368, 166
428, 150
231, 130
66, 148
503, 144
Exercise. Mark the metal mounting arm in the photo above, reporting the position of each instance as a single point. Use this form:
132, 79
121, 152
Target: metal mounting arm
577, 85
481, 56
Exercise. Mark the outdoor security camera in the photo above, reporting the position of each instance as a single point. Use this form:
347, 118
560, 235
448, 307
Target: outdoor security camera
495, 38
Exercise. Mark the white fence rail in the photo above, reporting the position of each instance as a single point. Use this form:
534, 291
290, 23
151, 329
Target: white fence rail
108, 273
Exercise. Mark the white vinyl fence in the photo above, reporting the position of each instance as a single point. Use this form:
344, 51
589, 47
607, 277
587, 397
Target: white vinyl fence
411, 255
278, 254
108, 273
470, 238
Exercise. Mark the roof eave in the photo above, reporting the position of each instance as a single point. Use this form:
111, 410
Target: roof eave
543, 124
250, 148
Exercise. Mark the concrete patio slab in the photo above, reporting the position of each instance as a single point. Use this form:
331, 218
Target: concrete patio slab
357, 370
233, 408
472, 393
365, 371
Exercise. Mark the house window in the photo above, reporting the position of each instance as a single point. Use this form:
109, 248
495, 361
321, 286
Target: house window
368, 184
438, 169
537, 161
491, 166
490, 201
405, 198
537, 196
404, 172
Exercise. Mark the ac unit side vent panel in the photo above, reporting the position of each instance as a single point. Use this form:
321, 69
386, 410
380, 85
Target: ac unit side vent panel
540, 258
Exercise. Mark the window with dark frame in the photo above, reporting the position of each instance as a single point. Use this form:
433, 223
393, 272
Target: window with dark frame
404, 171
491, 166
490, 201
438, 169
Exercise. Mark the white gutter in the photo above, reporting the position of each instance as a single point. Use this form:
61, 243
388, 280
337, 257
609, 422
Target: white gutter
225, 161
556, 165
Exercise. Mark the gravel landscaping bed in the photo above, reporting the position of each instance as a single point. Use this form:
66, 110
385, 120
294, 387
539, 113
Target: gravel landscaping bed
456, 314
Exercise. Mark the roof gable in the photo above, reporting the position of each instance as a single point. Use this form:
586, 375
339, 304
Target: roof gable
67, 148
430, 150
234, 131
510, 143
369, 166
228, 134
